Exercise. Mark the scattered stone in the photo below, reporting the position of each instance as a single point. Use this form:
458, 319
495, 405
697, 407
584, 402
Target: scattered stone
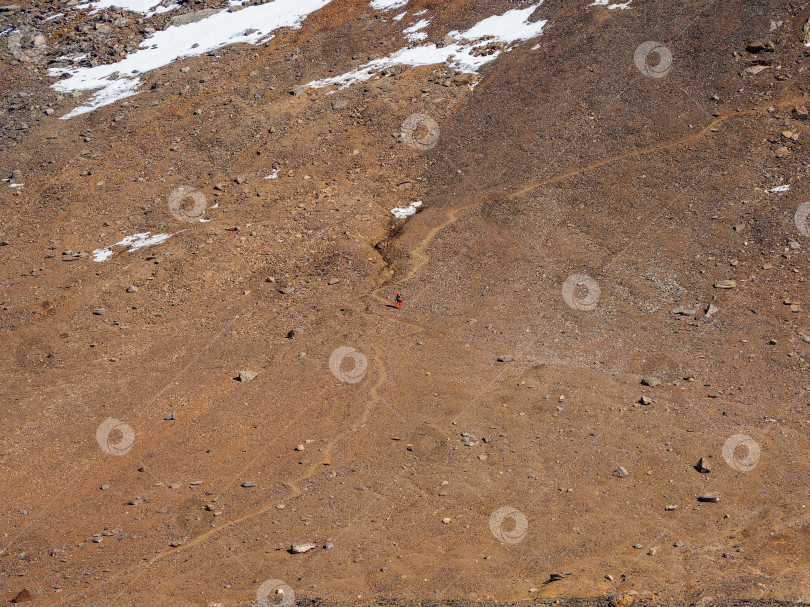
678, 544
333, 281
711, 498
132, 289
248, 484
756, 69
294, 332
297, 90
482, 457
645, 401
299, 448
22, 596
703, 466
683, 311
339, 104
506, 358
446, 521
104, 487
651, 381
800, 112
638, 546
286, 290
247, 375
609, 577
759, 45
725, 284
99, 311
781, 152
653, 551
193, 16
556, 577
711, 310
621, 472
671, 507
240, 180
175, 543
301, 547
174, 485
794, 245
169, 417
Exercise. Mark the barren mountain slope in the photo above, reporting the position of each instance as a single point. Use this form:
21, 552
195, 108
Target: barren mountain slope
609, 194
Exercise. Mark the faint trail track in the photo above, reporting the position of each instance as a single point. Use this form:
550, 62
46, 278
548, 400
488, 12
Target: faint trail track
453, 214
373, 398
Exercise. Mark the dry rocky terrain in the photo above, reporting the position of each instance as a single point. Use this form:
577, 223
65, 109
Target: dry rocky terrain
597, 390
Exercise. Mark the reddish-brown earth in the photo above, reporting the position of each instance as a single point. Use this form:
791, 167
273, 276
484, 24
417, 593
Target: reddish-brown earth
562, 160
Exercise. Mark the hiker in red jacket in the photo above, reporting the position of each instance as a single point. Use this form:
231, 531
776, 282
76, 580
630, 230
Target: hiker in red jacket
399, 300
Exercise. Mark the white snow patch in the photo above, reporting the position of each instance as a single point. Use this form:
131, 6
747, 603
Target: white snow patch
4, 32
511, 27
146, 7
175, 42
403, 212
273, 175
413, 34
56, 16
134, 242
400, 16
623, 6
387, 5
16, 185
777, 189
422, 12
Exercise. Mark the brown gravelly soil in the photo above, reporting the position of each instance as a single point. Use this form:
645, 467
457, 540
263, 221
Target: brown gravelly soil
424, 470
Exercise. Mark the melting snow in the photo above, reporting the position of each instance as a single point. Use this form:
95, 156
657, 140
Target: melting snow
119, 80
134, 242
397, 18
403, 212
513, 26
607, 3
146, 7
387, 5
413, 34
777, 189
